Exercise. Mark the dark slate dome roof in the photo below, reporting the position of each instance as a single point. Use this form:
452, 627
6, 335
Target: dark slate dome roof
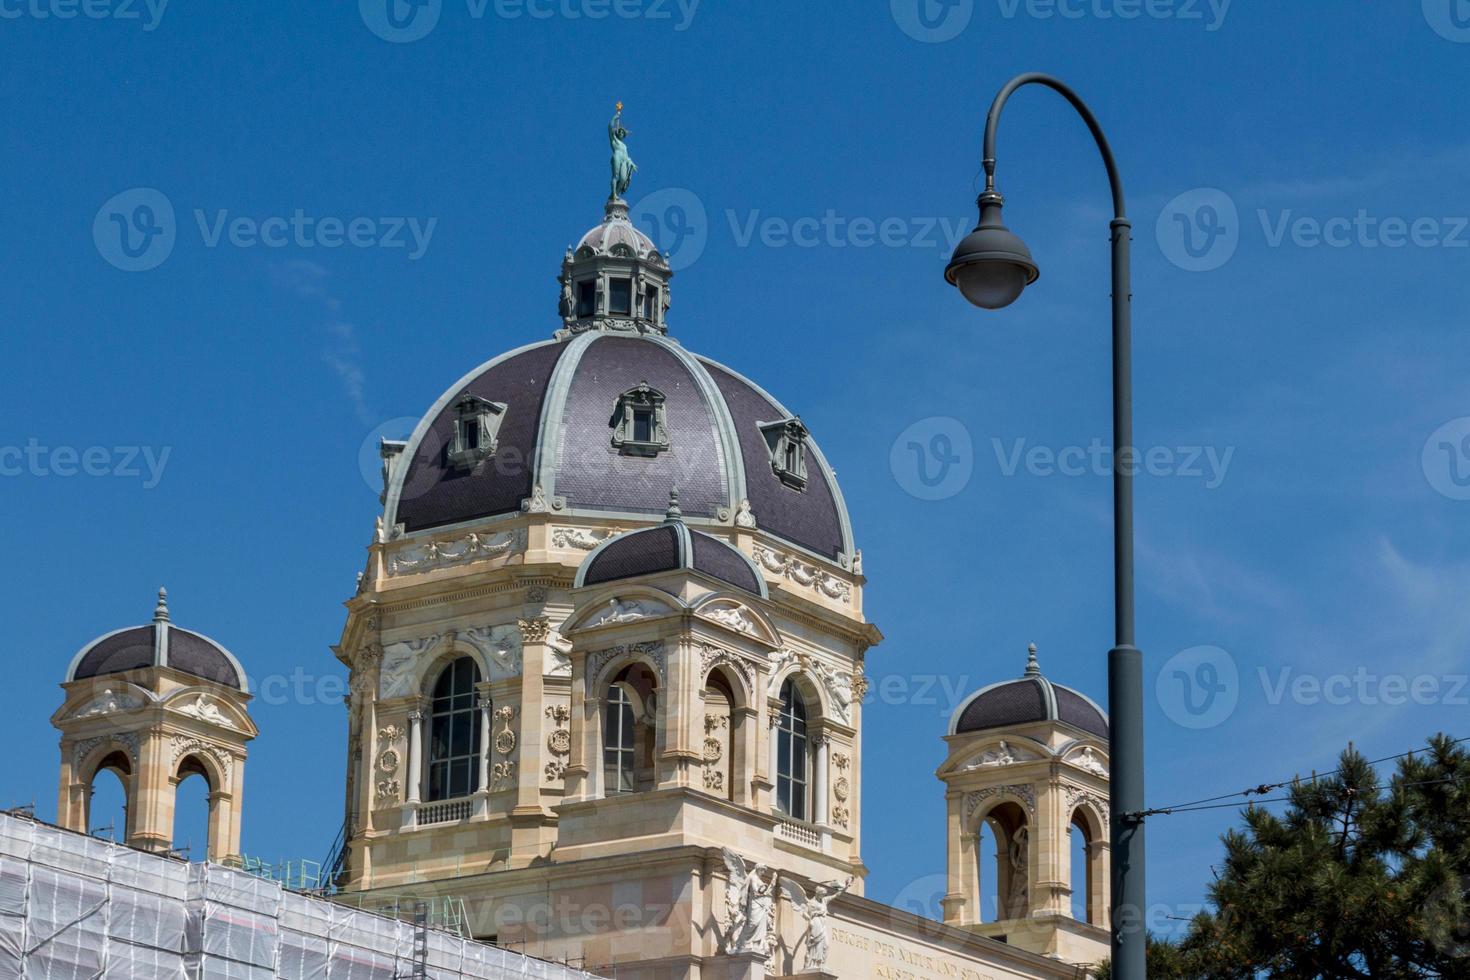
1028, 699
665, 548
555, 441
158, 644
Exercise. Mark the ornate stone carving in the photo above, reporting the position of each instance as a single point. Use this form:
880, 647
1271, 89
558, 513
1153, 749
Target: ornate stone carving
206, 711
127, 740
534, 630
583, 539
750, 907
499, 645
744, 516
470, 547
813, 909
505, 739
838, 683
186, 745
1088, 760
803, 574
400, 660
1022, 792
539, 503
1076, 796
711, 656
558, 740
502, 773
1001, 755
738, 618
109, 702
560, 662
653, 650
625, 611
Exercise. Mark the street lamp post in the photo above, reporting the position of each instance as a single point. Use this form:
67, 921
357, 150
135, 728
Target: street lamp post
991, 267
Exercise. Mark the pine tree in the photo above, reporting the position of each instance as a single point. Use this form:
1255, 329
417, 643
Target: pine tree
1354, 881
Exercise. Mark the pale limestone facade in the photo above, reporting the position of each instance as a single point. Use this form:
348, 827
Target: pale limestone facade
576, 753
546, 856
1037, 785
155, 722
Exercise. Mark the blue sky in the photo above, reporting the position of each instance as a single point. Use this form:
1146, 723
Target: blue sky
1301, 360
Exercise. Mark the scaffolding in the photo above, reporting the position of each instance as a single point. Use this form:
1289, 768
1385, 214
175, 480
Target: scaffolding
73, 907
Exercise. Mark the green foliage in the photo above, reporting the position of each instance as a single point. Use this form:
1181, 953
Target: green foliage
1354, 881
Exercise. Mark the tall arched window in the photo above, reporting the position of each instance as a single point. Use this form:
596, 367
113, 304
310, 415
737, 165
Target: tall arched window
619, 742
107, 798
792, 754
630, 732
454, 732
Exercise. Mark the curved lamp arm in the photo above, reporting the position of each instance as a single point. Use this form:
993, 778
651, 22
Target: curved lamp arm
992, 120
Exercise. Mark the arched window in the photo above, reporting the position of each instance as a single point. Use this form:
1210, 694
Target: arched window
630, 732
1004, 857
1081, 844
107, 798
454, 732
793, 755
619, 742
191, 810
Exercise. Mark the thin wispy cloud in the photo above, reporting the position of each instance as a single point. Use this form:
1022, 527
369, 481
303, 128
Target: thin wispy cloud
342, 352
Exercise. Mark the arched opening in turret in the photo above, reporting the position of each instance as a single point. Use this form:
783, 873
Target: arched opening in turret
1004, 856
630, 732
1087, 873
1077, 838
192, 825
107, 798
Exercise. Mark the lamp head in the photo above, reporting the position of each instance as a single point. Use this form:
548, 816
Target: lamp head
991, 266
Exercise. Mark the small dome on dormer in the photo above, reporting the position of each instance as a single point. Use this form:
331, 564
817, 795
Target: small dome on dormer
158, 644
1028, 699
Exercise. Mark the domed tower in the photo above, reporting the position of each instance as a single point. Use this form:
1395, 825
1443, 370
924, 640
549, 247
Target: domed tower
155, 704
613, 607
1028, 762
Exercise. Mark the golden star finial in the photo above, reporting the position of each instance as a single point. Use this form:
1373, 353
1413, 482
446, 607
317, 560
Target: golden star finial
620, 105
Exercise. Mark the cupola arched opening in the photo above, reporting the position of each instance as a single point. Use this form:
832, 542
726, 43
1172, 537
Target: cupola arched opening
630, 731
454, 745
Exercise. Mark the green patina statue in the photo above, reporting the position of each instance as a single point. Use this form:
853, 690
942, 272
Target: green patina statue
623, 166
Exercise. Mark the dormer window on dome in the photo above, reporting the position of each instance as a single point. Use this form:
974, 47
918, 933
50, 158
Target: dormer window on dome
476, 429
786, 440
640, 422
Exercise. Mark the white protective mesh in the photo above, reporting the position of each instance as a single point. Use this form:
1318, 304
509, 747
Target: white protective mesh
76, 908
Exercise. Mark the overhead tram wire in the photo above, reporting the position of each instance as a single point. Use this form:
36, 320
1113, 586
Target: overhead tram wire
1214, 802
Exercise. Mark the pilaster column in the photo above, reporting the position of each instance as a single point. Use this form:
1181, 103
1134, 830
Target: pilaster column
415, 754
486, 705
821, 796
773, 740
